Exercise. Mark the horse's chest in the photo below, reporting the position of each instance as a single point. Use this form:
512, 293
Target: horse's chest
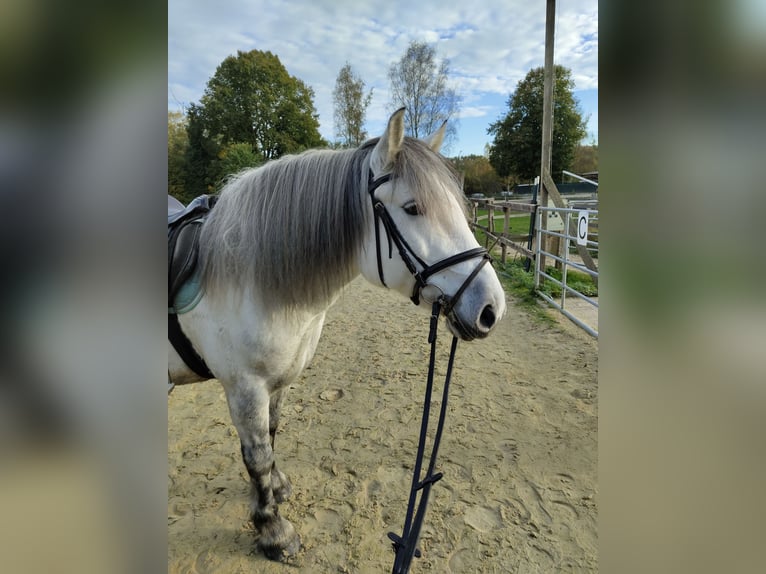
276, 347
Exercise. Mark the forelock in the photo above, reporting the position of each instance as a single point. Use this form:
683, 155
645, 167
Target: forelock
428, 176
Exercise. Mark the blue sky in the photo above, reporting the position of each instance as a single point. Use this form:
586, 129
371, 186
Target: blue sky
490, 44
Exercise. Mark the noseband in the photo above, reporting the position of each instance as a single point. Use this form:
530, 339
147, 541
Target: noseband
408, 254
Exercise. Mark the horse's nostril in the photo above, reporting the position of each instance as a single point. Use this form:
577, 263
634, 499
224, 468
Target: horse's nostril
487, 317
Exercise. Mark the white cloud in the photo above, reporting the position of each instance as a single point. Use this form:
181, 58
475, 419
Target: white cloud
475, 111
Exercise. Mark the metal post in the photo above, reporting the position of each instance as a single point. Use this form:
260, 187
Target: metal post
506, 233
566, 259
538, 238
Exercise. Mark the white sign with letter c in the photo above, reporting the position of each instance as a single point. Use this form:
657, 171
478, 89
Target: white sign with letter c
582, 228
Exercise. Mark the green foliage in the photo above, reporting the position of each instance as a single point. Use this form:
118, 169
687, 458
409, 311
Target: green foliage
518, 136
178, 143
521, 284
517, 224
581, 282
238, 156
585, 159
201, 154
479, 175
421, 86
251, 99
350, 107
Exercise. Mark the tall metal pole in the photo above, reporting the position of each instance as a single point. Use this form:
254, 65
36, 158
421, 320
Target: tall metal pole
545, 163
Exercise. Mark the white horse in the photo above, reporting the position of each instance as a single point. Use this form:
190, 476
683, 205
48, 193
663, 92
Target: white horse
277, 250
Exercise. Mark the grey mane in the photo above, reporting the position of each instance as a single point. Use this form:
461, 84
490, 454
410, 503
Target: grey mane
293, 228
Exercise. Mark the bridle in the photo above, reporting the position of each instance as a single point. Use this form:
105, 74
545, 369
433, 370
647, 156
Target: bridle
407, 254
405, 546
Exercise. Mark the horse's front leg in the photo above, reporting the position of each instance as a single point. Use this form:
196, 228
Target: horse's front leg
249, 405
280, 484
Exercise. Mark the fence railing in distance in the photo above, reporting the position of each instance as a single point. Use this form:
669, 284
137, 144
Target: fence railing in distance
501, 235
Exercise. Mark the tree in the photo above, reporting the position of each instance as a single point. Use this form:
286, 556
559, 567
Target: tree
350, 107
585, 158
250, 99
421, 86
518, 136
238, 156
178, 143
201, 154
478, 175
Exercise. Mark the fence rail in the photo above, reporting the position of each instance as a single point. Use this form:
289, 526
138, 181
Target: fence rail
559, 239
560, 252
503, 238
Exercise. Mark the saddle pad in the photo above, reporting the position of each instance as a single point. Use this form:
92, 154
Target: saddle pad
188, 295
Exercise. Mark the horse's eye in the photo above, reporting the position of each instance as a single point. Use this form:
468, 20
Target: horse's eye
412, 209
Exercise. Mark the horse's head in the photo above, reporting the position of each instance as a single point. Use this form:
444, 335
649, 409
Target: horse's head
420, 243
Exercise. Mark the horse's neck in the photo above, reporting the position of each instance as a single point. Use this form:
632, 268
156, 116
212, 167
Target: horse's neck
251, 303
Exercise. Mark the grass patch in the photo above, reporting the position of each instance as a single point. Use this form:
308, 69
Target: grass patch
515, 229
577, 280
517, 224
521, 284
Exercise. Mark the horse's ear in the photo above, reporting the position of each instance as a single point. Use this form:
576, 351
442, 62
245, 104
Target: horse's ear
434, 141
391, 141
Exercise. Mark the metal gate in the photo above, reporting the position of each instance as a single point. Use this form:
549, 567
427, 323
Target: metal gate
570, 226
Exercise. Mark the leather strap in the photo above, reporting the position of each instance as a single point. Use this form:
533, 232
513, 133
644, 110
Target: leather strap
185, 350
405, 546
407, 254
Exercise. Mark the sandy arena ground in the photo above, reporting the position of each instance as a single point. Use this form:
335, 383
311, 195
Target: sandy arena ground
519, 452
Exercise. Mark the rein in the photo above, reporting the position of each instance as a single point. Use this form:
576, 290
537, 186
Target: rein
405, 546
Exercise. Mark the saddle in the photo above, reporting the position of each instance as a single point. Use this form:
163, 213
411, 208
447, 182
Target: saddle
184, 225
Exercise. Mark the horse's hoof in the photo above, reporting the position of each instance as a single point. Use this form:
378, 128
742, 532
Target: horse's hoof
280, 542
281, 554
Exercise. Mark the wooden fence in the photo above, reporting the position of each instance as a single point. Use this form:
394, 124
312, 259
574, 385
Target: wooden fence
501, 237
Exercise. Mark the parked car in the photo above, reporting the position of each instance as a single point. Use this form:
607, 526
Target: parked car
506, 194
476, 196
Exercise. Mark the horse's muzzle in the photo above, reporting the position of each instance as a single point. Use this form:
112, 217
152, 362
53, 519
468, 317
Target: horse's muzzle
473, 317
475, 330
